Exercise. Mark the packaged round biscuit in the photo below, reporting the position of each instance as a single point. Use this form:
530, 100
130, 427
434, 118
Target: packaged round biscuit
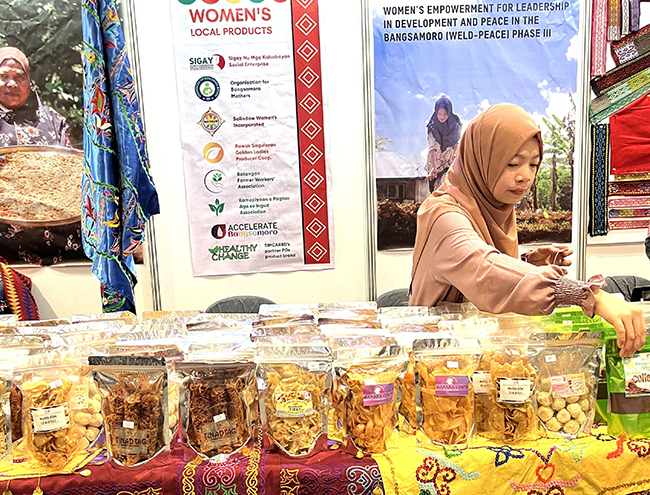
567, 366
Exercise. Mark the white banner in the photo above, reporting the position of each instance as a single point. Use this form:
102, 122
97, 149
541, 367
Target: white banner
251, 109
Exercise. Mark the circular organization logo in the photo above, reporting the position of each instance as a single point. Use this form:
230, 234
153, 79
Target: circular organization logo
213, 152
207, 88
213, 181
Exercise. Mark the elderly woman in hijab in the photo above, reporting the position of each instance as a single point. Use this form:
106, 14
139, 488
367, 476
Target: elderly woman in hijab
24, 120
466, 246
443, 132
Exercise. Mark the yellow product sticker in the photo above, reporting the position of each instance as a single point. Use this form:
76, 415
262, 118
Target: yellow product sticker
79, 397
293, 404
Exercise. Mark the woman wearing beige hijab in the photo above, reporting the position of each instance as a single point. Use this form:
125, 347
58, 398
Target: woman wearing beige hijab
466, 246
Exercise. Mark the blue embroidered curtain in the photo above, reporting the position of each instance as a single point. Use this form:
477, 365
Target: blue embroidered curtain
117, 190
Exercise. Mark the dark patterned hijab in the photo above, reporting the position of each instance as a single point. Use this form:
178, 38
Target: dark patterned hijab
447, 133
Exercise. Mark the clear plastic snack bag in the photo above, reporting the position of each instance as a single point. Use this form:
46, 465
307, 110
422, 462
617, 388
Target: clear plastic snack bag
367, 389
444, 389
134, 404
567, 366
5, 413
294, 384
215, 411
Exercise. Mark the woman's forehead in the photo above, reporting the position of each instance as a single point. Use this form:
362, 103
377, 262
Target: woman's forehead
11, 63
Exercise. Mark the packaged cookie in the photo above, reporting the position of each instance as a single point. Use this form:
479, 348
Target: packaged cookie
367, 387
567, 367
444, 390
49, 422
134, 404
294, 383
215, 409
508, 405
628, 387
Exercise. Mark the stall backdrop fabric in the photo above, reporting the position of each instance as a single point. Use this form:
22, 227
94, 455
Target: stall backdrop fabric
118, 194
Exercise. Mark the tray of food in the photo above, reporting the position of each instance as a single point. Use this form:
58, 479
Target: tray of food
40, 186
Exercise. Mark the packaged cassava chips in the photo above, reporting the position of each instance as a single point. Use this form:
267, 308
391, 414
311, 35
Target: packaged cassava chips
294, 385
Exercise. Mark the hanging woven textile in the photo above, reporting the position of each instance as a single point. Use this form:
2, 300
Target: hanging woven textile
17, 293
598, 179
118, 193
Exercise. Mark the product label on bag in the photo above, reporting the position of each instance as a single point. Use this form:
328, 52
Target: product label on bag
130, 441
482, 382
219, 434
293, 404
637, 375
50, 418
79, 397
513, 390
452, 385
568, 385
376, 395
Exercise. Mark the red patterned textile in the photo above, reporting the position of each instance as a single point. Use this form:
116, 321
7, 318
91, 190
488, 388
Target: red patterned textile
637, 188
629, 202
18, 293
620, 73
636, 223
631, 46
614, 20
630, 138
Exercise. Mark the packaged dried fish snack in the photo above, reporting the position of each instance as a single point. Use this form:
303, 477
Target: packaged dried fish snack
294, 383
215, 409
628, 387
50, 423
444, 390
134, 403
367, 390
5, 412
508, 404
567, 367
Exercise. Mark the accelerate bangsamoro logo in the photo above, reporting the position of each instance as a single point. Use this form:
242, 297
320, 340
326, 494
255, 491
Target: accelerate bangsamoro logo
207, 88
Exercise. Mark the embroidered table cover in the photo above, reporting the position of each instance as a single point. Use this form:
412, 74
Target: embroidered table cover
594, 464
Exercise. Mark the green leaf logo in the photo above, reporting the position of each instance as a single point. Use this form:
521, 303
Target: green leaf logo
217, 207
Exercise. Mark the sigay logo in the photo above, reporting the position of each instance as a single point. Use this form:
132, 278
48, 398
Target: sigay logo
207, 88
207, 63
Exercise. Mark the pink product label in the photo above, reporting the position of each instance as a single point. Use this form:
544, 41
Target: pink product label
376, 395
452, 385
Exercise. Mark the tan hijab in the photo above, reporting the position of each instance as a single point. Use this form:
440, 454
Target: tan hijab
487, 145
14, 53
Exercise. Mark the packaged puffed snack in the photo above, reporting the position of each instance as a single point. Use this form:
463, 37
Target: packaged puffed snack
367, 389
50, 408
5, 412
567, 367
444, 390
215, 410
294, 383
628, 386
508, 404
134, 404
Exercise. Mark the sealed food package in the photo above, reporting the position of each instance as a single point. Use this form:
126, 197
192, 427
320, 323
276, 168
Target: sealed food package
49, 422
347, 313
567, 367
134, 403
125, 317
5, 413
367, 380
628, 387
214, 406
444, 390
287, 314
510, 414
294, 383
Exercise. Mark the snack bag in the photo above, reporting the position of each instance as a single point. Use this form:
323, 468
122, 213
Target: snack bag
628, 386
508, 405
567, 365
214, 406
49, 399
368, 373
294, 383
5, 413
444, 390
134, 393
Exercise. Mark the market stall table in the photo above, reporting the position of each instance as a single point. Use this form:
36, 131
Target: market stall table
595, 464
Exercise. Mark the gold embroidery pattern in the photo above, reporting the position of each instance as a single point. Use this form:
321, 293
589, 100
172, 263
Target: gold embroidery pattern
253, 466
147, 491
189, 471
289, 482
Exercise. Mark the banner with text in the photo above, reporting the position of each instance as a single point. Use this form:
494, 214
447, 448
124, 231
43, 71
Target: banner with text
251, 106
437, 65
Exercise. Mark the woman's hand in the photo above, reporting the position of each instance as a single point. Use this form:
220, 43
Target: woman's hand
627, 320
550, 255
